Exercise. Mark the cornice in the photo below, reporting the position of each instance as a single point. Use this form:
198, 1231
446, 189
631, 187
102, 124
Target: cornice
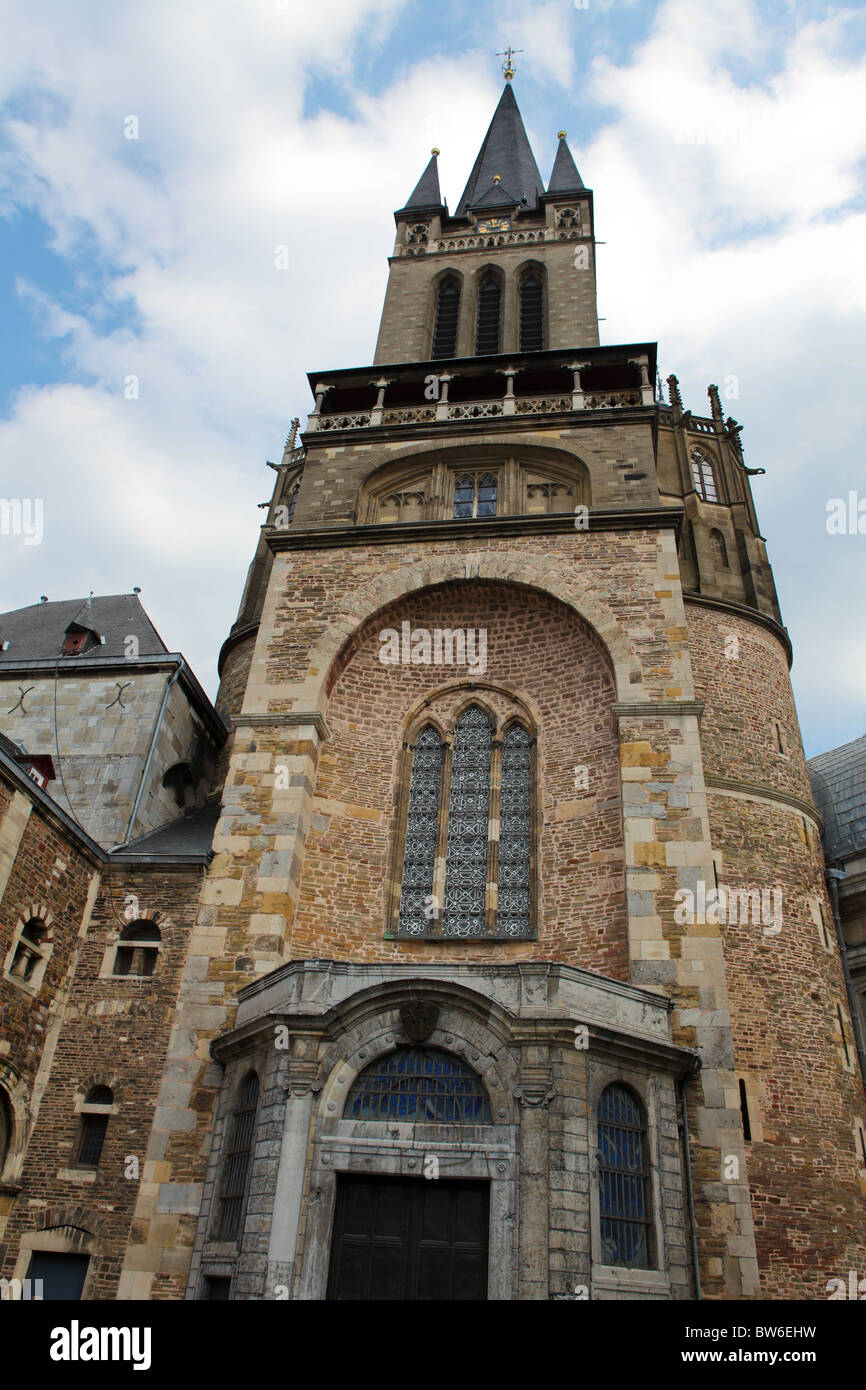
756, 791
742, 610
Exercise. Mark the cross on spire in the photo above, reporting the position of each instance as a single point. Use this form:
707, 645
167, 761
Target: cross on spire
508, 67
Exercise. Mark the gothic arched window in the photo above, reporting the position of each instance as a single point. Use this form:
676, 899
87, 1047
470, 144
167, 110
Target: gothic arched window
293, 502
487, 326
467, 851
623, 1179
704, 476
447, 312
531, 313
419, 1085
237, 1159
475, 494
5, 1129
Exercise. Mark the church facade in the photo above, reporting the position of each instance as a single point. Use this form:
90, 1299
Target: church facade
496, 962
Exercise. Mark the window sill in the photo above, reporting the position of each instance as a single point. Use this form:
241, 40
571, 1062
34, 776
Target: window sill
81, 1175
634, 1283
461, 940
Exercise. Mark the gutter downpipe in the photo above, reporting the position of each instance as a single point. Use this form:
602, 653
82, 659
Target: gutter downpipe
684, 1113
833, 876
156, 728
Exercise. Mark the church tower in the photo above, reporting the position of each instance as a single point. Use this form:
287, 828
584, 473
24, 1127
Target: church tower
512, 976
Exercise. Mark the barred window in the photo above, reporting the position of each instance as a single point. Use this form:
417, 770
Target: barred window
531, 314
467, 854
447, 313
704, 476
623, 1179
237, 1159
487, 325
421, 1085
95, 1114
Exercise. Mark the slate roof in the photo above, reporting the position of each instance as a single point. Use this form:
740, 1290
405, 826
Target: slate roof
564, 178
426, 192
38, 631
838, 781
188, 837
506, 151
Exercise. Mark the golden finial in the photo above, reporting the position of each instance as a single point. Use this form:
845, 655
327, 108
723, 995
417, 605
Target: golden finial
497, 178
562, 134
435, 151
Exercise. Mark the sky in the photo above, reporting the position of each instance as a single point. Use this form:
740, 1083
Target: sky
196, 210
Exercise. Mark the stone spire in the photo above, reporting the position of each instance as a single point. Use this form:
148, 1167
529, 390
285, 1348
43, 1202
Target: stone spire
426, 192
565, 178
505, 152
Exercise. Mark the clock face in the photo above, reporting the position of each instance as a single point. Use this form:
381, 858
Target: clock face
495, 224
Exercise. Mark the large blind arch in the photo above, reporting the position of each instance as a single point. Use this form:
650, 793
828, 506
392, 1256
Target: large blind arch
469, 780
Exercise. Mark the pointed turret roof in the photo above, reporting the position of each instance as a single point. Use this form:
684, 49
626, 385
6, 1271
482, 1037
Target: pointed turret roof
506, 151
426, 192
564, 178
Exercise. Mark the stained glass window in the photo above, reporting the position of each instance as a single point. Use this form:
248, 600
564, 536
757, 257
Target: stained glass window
421, 1085
622, 1178
475, 495
417, 913
468, 826
515, 834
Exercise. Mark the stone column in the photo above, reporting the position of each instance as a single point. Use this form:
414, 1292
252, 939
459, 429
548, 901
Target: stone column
534, 1093
302, 1085
378, 409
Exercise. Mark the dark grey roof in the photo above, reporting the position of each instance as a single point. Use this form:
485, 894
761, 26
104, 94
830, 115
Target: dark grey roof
838, 781
37, 632
495, 197
426, 192
188, 837
564, 178
506, 151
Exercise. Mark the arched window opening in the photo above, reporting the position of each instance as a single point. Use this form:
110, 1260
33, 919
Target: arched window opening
237, 1159
531, 313
95, 1114
293, 502
475, 494
419, 1085
138, 949
623, 1180
487, 325
5, 1129
29, 951
419, 858
447, 313
704, 476
720, 549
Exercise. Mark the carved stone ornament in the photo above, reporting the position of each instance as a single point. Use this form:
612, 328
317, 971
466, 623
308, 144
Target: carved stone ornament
418, 1020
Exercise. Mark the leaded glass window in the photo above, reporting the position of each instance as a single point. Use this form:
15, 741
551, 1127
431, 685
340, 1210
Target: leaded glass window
468, 826
475, 494
419, 1085
419, 857
703, 476
622, 1179
515, 834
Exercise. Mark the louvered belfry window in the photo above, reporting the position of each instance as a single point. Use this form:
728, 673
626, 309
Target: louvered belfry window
487, 330
237, 1159
447, 312
467, 854
531, 314
623, 1179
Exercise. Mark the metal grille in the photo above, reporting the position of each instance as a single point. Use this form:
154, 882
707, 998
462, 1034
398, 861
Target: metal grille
419, 1085
487, 331
622, 1179
515, 834
93, 1129
531, 315
704, 476
237, 1160
416, 894
468, 821
447, 309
